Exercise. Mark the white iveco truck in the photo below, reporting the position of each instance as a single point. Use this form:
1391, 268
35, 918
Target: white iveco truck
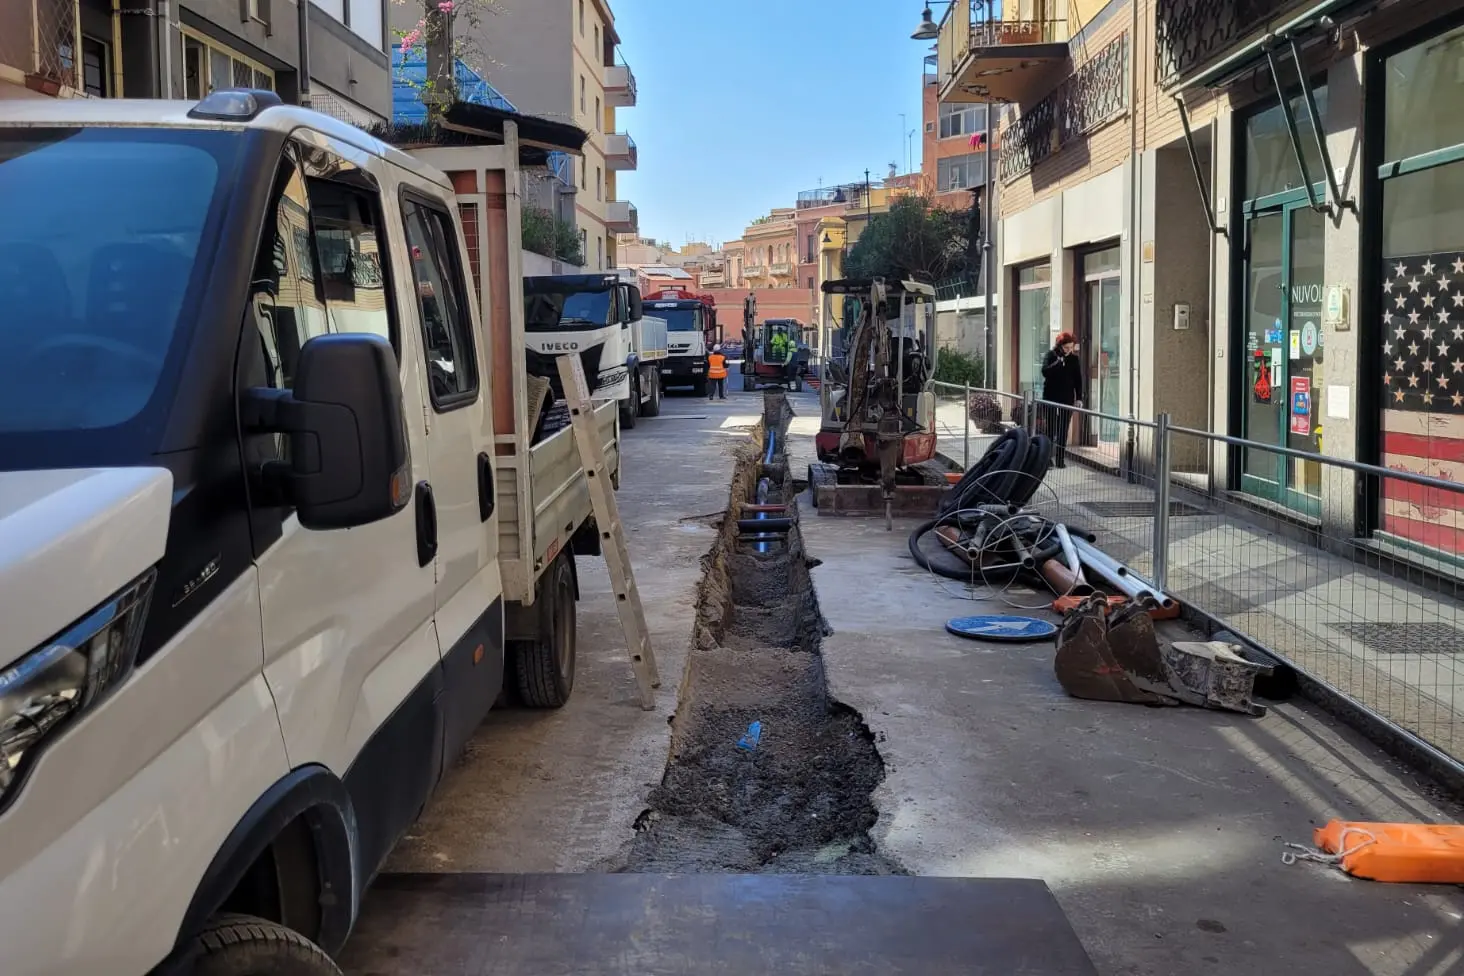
274, 536
599, 318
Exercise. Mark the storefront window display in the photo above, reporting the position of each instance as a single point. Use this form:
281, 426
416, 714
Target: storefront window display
1421, 369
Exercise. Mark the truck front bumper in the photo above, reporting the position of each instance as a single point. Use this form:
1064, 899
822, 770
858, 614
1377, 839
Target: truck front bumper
683, 369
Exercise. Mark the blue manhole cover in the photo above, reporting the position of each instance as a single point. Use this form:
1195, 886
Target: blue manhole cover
998, 627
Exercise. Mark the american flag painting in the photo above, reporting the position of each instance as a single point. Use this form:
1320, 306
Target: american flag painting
1423, 393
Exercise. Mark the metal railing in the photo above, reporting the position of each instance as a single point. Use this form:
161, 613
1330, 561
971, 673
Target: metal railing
999, 33
1352, 573
39, 40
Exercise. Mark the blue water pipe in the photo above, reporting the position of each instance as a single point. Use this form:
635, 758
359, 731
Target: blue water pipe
763, 487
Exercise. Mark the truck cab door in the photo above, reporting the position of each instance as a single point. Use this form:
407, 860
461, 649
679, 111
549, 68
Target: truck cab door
350, 652
469, 591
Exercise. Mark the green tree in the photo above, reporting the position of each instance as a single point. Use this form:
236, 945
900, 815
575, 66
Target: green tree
543, 233
915, 240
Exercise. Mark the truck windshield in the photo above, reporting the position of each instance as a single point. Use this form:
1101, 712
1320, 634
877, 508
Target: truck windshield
573, 312
680, 319
98, 248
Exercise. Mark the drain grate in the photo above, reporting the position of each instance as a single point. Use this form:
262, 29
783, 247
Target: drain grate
1416, 638
1137, 509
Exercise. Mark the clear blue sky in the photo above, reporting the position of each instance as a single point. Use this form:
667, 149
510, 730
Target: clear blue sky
744, 104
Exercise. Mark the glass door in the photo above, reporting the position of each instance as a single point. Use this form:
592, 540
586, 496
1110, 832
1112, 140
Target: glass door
1283, 351
1098, 334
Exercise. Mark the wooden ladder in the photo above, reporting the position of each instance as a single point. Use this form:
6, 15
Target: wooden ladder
612, 536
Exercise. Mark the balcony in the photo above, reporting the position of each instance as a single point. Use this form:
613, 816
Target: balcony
621, 217
782, 269
755, 271
620, 89
713, 279
37, 45
1192, 34
620, 152
998, 60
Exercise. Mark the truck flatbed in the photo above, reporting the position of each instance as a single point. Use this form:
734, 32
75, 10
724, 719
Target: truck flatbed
710, 924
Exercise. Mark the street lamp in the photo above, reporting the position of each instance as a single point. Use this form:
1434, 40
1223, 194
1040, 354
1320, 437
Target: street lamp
928, 30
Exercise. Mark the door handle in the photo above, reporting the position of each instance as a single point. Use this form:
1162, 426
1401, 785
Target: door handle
487, 496
426, 524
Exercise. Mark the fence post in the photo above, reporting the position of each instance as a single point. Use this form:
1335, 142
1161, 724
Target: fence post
1161, 501
966, 429
1029, 412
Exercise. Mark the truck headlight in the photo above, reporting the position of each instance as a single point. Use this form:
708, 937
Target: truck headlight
43, 691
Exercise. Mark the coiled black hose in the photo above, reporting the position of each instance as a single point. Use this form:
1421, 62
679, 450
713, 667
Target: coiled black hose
958, 570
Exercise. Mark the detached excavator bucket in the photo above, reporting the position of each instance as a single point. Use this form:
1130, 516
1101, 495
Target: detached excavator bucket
1086, 665
1135, 646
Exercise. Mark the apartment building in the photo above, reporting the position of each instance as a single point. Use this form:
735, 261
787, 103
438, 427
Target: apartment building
1250, 214
107, 49
953, 150
770, 250
559, 59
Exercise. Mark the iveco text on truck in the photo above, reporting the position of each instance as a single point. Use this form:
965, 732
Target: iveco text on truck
273, 533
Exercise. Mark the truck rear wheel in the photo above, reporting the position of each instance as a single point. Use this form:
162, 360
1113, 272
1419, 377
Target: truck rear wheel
652, 406
630, 410
242, 945
544, 666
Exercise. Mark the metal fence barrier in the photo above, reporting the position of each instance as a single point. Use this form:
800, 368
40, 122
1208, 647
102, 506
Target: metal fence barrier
1351, 572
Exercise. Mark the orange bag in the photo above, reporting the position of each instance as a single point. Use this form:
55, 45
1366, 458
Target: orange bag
1397, 852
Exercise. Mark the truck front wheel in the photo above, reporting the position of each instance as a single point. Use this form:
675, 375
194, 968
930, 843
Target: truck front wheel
544, 666
242, 945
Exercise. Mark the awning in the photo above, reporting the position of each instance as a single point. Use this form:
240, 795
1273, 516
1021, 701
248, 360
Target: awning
1263, 37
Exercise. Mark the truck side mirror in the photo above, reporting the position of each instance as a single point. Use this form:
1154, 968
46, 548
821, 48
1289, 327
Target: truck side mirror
349, 460
633, 297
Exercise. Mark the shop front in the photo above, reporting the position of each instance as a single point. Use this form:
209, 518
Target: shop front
1283, 283
1419, 369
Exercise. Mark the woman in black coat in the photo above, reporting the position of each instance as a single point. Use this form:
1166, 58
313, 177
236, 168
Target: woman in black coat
1062, 382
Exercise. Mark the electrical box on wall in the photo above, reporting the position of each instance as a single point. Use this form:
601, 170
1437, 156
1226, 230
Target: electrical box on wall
1181, 317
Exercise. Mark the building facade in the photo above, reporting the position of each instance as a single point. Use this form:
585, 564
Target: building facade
1250, 214
770, 250
101, 49
559, 59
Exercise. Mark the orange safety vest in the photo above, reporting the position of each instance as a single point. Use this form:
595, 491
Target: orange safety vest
717, 366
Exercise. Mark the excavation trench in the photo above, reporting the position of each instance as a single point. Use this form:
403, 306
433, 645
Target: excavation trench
799, 800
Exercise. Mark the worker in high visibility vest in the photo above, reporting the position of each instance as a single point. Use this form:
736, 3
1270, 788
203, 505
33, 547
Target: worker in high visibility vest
717, 373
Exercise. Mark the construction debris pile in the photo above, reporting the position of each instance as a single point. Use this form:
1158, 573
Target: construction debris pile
990, 533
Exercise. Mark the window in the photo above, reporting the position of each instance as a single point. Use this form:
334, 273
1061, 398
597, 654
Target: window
584, 174
599, 184
597, 40
599, 253
961, 120
447, 335
582, 93
95, 68
584, 245
207, 65
257, 10
321, 272
599, 116
95, 275
1270, 156
960, 172
1033, 324
582, 17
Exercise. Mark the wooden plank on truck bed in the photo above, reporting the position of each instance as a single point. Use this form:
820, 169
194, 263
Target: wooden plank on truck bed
612, 538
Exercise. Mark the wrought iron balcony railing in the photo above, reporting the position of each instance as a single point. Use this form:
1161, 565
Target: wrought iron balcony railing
39, 40
1095, 94
1192, 33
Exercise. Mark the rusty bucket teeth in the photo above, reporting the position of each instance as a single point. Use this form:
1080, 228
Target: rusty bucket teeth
1085, 664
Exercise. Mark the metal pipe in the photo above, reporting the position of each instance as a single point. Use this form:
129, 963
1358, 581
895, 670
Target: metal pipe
762, 523
1069, 553
988, 273
302, 72
1118, 576
117, 89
